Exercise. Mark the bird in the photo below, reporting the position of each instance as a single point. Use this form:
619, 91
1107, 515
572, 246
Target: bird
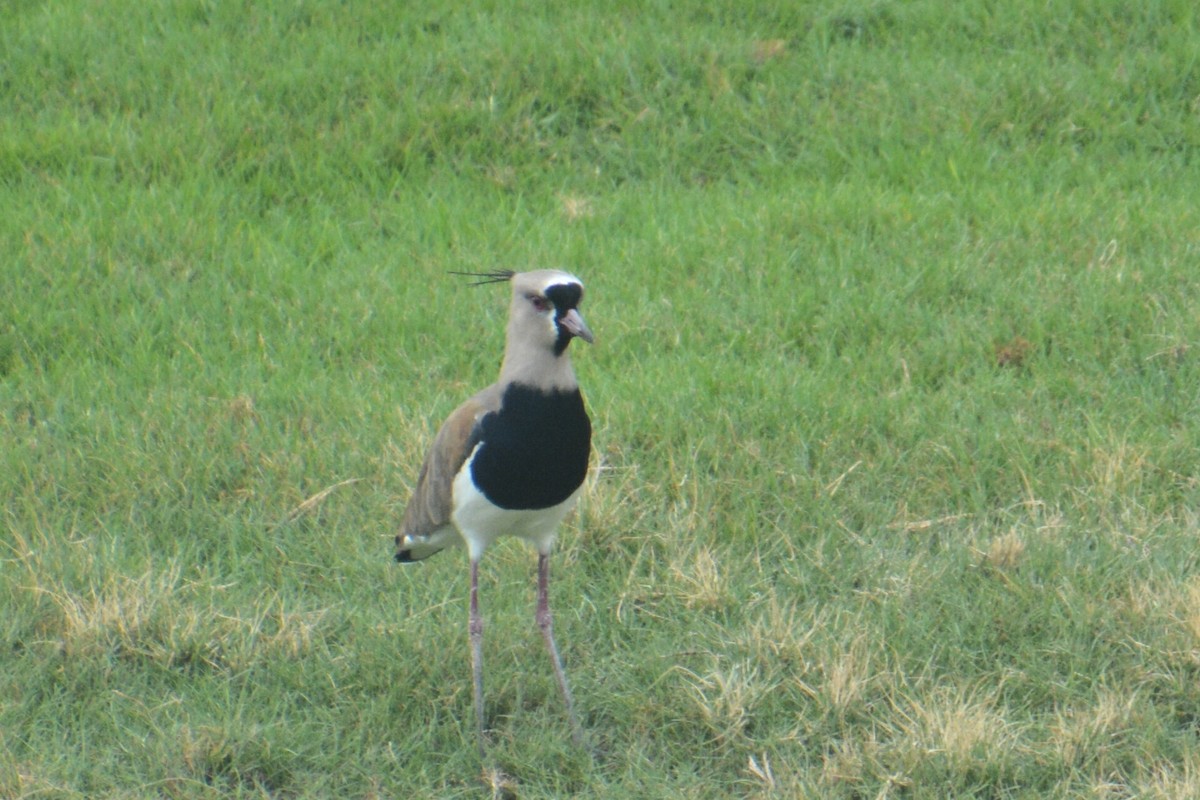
512, 459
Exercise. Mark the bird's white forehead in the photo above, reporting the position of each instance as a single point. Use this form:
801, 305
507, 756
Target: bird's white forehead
542, 279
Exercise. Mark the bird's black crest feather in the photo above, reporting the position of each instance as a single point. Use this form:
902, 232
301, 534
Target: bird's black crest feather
497, 276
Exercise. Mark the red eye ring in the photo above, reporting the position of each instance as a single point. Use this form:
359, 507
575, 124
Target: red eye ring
539, 303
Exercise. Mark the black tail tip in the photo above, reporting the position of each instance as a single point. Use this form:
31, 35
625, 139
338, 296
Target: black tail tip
405, 556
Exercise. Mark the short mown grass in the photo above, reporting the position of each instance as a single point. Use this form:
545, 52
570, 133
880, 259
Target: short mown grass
895, 396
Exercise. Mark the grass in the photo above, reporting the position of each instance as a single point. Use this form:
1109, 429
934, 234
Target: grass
895, 392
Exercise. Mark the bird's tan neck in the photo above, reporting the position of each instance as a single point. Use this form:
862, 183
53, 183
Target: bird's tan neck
538, 368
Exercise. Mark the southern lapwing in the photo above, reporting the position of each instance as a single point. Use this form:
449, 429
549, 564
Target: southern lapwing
511, 460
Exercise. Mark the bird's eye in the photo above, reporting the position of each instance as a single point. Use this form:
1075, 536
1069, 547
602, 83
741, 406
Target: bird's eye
539, 303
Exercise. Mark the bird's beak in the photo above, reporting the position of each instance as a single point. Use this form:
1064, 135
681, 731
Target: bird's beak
575, 326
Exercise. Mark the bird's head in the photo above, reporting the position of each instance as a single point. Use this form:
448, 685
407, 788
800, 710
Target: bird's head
545, 308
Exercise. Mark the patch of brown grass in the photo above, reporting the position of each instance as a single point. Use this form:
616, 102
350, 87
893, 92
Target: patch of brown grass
963, 727
725, 698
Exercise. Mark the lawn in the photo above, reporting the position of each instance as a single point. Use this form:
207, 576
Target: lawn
896, 396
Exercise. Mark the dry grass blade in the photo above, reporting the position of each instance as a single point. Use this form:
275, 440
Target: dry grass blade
315, 501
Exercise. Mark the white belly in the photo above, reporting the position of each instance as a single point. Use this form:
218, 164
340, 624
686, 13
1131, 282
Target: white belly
481, 522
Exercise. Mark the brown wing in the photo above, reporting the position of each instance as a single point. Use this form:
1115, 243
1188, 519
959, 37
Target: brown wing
431, 503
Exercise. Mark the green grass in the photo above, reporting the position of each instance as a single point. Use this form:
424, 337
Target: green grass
895, 395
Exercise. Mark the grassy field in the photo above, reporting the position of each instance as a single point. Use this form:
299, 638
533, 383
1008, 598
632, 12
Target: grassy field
895, 488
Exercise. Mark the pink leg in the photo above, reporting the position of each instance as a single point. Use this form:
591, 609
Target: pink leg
546, 623
476, 632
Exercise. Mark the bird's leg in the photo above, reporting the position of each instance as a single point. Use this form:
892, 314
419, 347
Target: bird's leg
476, 632
546, 623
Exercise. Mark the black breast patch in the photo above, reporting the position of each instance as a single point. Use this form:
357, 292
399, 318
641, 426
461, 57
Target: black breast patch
534, 450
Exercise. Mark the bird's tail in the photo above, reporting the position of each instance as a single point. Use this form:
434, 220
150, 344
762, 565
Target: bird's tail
410, 548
